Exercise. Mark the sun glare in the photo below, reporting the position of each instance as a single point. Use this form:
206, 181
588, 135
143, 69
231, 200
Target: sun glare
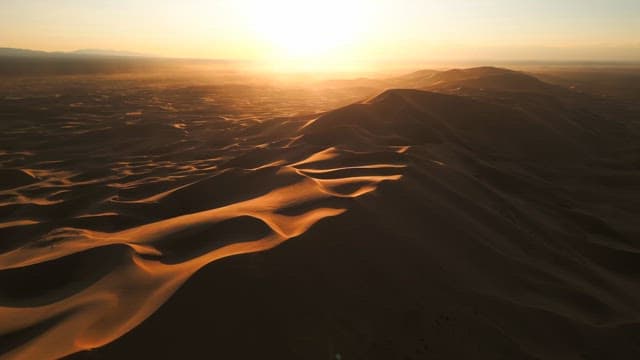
308, 31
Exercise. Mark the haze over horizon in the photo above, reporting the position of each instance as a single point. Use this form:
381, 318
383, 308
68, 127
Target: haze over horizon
331, 34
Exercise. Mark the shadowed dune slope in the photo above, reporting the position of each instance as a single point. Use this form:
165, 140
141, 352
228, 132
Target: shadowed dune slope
405, 117
412, 225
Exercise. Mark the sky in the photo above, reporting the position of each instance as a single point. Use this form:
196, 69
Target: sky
331, 31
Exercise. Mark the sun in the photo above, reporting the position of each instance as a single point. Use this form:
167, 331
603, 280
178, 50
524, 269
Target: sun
308, 30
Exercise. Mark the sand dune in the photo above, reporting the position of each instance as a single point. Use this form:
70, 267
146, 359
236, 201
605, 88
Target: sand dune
488, 78
489, 208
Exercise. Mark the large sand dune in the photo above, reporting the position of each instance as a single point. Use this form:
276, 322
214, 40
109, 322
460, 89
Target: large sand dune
487, 215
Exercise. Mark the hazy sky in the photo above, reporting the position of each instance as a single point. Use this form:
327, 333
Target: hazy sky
332, 30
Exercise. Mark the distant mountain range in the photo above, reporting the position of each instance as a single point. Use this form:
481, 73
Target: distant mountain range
14, 52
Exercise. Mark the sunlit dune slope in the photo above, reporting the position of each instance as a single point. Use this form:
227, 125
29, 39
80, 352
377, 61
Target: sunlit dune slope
397, 227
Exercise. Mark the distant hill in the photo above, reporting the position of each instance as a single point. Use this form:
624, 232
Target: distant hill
14, 52
24, 62
105, 52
